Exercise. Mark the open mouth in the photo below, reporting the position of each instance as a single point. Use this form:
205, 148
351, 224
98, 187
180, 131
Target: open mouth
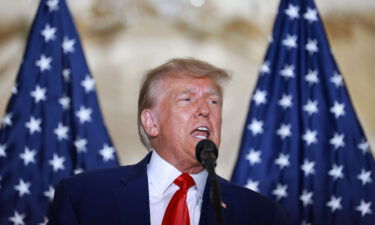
201, 132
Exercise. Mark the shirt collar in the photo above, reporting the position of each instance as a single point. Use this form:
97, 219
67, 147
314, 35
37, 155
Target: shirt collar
161, 175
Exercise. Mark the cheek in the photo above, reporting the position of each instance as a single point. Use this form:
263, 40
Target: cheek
217, 118
177, 122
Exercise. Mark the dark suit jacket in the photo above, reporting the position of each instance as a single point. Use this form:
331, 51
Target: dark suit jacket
120, 196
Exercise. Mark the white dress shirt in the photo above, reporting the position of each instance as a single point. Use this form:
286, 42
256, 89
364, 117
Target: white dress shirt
161, 188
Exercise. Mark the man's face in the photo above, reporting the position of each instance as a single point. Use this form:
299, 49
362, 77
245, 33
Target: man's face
187, 110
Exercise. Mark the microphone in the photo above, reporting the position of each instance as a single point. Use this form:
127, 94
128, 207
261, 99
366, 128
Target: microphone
206, 154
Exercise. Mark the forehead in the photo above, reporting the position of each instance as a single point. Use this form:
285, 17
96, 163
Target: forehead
188, 83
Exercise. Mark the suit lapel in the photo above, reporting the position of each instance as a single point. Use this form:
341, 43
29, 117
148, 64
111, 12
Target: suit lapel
207, 212
133, 198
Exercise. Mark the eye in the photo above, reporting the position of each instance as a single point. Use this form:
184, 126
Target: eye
185, 99
214, 101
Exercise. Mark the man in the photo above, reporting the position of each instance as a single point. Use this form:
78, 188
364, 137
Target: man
180, 103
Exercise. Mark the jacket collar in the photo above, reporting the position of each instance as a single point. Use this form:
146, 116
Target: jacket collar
132, 198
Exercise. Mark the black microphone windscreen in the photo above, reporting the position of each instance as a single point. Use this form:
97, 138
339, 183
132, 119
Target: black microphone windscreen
205, 146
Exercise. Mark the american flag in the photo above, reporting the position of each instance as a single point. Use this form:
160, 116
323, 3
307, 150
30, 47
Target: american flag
302, 144
52, 126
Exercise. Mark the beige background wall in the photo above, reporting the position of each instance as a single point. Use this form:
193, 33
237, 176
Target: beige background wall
124, 38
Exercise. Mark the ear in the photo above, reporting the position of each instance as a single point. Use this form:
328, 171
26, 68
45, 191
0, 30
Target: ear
150, 122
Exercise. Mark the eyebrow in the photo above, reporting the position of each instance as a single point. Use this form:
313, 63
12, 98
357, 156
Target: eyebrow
211, 92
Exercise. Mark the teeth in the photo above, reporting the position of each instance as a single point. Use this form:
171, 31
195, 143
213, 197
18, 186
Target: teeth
202, 132
202, 128
201, 137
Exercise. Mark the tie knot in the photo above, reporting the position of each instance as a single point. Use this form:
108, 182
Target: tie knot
184, 181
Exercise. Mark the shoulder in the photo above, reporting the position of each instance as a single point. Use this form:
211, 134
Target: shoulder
92, 181
246, 200
108, 176
99, 175
243, 193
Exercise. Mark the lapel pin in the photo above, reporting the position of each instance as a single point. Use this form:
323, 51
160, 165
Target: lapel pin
223, 205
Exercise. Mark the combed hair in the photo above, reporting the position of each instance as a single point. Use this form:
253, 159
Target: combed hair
175, 67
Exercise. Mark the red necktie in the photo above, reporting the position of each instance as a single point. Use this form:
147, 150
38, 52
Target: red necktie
177, 212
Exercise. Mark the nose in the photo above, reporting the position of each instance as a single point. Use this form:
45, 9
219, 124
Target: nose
203, 110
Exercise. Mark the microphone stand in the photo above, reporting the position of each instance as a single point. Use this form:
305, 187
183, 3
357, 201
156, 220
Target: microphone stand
214, 190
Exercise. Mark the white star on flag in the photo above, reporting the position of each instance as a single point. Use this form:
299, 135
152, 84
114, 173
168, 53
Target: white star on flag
252, 185
253, 157
286, 101
52, 5
364, 208
311, 107
364, 146
18, 218
28, 156
338, 109
256, 127
80, 144
288, 71
334, 203
365, 176
48, 33
292, 11
311, 15
312, 46
290, 41
65, 102
84, 114
282, 160
88, 83
337, 140
308, 167
7, 120
68, 45
2, 150
337, 80
107, 152
306, 198
61, 131
310, 137
336, 172
34, 125
22, 188
45, 221
49, 193
284, 131
57, 162
270, 39
66, 74
312, 77
265, 68
280, 191
260, 97
14, 89
39, 94
43, 63
78, 171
